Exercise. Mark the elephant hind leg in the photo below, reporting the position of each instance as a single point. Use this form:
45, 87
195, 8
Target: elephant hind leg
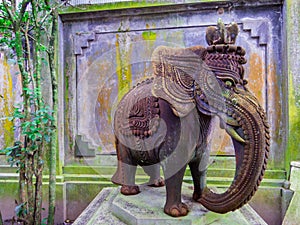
154, 172
130, 190
125, 174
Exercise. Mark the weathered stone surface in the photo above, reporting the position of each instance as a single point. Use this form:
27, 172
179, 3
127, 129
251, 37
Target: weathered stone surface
111, 207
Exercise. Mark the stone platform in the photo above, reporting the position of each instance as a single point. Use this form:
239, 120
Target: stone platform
112, 208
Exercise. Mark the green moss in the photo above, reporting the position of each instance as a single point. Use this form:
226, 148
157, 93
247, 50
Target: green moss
124, 5
86, 191
123, 69
149, 35
7, 104
293, 46
9, 190
294, 125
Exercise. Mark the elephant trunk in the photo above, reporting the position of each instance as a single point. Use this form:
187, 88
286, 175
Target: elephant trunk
251, 150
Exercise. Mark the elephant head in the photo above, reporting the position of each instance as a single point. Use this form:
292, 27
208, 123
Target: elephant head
211, 79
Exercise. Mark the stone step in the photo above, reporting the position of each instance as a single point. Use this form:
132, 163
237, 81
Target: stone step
212, 172
111, 207
102, 174
222, 166
215, 176
83, 148
140, 179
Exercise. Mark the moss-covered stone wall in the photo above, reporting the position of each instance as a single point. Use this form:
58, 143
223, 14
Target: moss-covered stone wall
7, 99
292, 12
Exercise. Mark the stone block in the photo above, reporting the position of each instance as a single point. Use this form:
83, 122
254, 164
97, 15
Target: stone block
111, 207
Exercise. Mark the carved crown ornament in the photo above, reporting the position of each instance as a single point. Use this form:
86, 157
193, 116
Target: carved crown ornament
223, 57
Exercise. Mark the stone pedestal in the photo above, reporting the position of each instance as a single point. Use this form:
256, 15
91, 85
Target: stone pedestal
111, 207
293, 213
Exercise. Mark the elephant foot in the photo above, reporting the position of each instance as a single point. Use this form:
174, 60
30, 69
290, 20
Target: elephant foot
130, 190
197, 196
180, 209
157, 182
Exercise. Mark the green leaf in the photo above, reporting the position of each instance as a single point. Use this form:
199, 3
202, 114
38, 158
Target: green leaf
32, 137
25, 124
43, 48
45, 120
21, 209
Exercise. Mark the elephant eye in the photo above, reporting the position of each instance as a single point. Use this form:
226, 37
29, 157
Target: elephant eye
229, 83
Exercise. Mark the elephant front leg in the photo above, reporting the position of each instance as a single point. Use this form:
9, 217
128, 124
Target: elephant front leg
174, 206
199, 178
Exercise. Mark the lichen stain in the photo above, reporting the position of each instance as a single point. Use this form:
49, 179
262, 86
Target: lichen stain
104, 102
149, 35
256, 77
293, 153
274, 97
274, 112
219, 141
123, 68
6, 126
149, 38
222, 148
105, 111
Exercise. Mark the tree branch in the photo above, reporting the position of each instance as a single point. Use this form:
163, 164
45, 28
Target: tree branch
29, 66
23, 9
13, 3
51, 11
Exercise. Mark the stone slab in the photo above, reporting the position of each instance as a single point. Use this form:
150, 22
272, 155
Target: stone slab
111, 207
293, 213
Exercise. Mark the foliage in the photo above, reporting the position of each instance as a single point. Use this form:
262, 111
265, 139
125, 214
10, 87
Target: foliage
28, 29
36, 130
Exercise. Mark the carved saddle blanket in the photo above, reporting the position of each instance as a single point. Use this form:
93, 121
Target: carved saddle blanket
138, 112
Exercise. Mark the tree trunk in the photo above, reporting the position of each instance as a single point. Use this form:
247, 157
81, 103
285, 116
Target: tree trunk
30, 188
22, 184
38, 185
1, 220
53, 144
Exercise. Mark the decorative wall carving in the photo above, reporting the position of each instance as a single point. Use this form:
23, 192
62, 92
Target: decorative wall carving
259, 28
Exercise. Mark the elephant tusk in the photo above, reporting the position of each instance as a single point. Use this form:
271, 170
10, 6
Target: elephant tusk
234, 134
231, 121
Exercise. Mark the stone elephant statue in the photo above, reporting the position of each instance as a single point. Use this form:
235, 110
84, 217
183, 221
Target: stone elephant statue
165, 120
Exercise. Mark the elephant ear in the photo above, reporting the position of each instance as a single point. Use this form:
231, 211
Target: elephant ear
175, 72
